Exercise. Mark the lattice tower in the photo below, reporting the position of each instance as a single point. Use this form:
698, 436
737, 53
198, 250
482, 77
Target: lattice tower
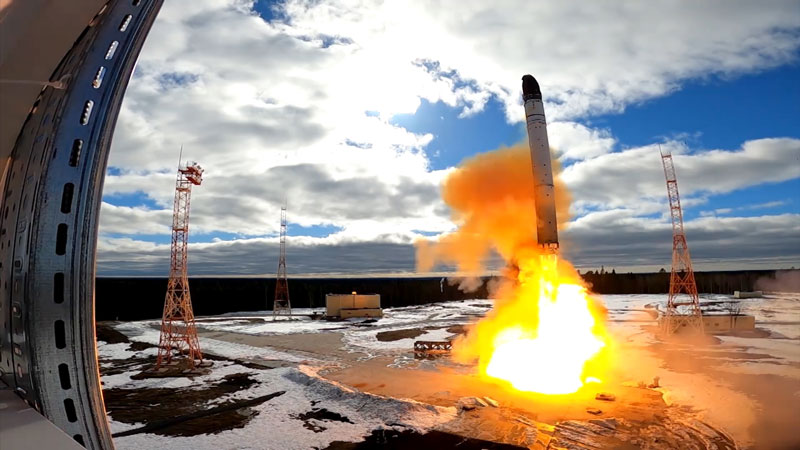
282, 305
178, 330
683, 305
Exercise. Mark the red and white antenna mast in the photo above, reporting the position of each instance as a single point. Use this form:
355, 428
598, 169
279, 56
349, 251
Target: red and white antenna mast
683, 305
281, 305
178, 331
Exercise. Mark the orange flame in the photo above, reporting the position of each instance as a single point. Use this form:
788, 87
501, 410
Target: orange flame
545, 333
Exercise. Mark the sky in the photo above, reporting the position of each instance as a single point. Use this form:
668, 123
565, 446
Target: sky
354, 112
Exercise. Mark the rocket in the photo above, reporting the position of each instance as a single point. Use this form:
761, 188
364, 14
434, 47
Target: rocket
544, 192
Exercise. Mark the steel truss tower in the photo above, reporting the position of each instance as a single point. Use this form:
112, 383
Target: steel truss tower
281, 305
178, 331
683, 305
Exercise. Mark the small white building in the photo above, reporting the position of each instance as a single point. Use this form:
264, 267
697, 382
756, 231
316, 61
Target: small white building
353, 305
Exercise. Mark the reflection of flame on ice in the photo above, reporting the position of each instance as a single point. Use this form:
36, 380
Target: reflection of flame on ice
548, 358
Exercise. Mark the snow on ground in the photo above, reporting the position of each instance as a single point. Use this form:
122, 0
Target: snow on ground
278, 326
262, 323
278, 424
147, 332
366, 339
116, 351
715, 396
118, 427
268, 313
777, 313
458, 310
303, 390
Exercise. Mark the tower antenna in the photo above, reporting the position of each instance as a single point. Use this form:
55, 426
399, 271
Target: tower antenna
281, 304
178, 331
683, 305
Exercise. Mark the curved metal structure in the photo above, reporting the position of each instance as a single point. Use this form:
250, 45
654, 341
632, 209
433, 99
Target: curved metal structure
52, 187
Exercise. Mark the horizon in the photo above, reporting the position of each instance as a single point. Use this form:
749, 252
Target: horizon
431, 275
356, 123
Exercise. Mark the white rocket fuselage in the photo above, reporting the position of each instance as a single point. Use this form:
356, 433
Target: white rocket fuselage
544, 191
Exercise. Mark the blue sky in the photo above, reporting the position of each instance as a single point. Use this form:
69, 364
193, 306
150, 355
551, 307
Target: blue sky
458, 138
705, 114
358, 115
715, 112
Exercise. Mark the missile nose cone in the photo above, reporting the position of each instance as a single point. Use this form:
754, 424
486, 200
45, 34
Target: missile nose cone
530, 88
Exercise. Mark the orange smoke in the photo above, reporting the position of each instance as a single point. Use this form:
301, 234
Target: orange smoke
491, 196
544, 333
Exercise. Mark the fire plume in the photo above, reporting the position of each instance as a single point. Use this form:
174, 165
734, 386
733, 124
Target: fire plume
545, 333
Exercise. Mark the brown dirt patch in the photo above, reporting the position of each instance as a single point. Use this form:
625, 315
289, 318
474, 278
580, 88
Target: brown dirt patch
106, 333
396, 335
433, 440
235, 414
311, 419
161, 405
457, 329
139, 346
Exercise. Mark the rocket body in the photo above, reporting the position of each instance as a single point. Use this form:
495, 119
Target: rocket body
544, 191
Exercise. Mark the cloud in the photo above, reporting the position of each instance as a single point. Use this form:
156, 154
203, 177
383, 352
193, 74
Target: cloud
134, 220
573, 141
255, 256
298, 109
756, 206
635, 177
620, 238
589, 58
612, 238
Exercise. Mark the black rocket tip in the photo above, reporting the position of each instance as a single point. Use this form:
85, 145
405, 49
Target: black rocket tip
530, 88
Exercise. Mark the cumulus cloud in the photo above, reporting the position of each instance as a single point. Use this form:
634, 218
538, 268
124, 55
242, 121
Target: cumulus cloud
612, 238
573, 141
298, 109
134, 220
634, 177
620, 238
258, 256
590, 58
